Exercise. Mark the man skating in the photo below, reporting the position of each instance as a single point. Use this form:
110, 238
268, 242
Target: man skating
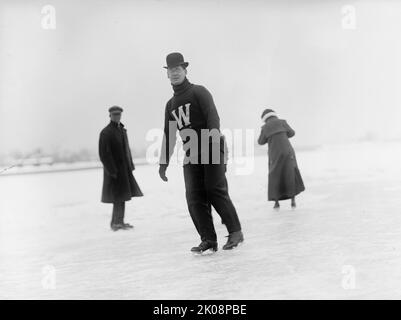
191, 110
119, 185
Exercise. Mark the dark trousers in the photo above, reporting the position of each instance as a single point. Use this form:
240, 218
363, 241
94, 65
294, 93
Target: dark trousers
118, 212
206, 186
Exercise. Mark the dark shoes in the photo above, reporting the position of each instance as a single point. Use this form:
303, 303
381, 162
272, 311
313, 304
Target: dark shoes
116, 226
277, 205
122, 226
204, 246
234, 239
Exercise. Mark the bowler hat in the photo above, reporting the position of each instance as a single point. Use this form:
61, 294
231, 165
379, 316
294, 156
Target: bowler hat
175, 59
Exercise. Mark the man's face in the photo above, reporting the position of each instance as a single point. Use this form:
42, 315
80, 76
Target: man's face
115, 116
176, 74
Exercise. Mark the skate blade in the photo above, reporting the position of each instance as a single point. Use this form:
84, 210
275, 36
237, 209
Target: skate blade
238, 245
207, 252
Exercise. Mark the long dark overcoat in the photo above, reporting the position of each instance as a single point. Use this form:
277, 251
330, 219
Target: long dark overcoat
285, 180
119, 183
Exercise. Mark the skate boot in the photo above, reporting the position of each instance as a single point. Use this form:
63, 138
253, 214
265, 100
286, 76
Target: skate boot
204, 246
293, 204
276, 206
117, 226
234, 239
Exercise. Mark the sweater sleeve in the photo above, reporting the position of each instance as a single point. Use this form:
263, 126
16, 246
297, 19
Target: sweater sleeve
169, 137
208, 108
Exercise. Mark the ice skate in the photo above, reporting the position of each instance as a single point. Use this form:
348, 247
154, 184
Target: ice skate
276, 206
234, 239
293, 204
117, 226
205, 246
128, 226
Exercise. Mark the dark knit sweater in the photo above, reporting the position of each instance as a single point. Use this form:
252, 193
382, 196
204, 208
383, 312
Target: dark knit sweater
191, 107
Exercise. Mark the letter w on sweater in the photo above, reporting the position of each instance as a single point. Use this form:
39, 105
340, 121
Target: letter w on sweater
182, 116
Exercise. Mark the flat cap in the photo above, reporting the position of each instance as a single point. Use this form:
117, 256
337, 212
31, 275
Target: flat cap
115, 109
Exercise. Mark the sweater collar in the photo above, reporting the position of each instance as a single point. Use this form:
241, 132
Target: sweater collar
182, 87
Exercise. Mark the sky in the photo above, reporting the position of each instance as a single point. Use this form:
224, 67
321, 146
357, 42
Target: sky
331, 83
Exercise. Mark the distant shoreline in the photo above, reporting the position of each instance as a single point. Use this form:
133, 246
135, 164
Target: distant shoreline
60, 167
91, 165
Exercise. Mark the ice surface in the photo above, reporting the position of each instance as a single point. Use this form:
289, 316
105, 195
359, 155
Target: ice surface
349, 218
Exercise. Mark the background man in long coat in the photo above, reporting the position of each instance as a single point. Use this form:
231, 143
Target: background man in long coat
191, 109
119, 184
285, 180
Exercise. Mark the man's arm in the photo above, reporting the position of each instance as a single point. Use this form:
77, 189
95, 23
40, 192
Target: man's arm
208, 108
106, 156
168, 143
209, 111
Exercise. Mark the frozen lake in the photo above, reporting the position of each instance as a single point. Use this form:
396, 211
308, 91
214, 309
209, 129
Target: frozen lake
343, 240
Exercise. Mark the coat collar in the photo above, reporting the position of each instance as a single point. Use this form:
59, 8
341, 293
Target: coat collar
115, 125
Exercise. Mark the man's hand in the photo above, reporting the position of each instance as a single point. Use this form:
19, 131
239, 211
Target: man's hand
162, 172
